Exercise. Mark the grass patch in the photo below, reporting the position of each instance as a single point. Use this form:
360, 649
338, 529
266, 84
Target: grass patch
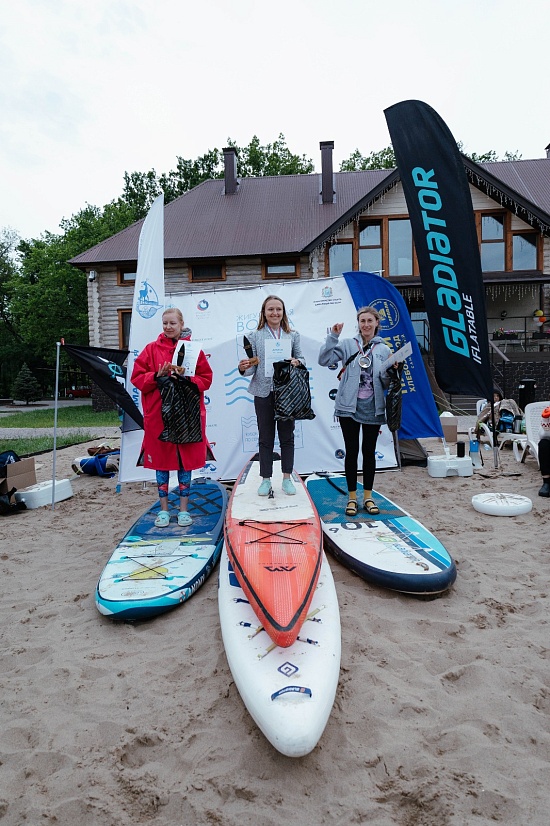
80, 416
42, 444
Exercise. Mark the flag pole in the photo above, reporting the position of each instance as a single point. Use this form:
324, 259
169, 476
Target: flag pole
55, 406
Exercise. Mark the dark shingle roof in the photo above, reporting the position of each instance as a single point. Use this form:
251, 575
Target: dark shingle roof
283, 214
269, 215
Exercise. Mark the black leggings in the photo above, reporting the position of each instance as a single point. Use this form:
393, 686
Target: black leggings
544, 457
350, 432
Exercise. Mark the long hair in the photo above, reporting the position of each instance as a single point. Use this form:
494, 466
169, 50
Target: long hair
373, 311
263, 320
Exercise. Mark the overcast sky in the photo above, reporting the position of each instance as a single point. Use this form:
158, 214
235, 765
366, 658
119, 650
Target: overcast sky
91, 89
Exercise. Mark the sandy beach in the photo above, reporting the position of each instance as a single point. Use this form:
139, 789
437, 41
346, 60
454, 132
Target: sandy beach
442, 713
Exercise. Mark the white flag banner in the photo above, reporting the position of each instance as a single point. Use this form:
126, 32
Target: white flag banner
145, 326
220, 319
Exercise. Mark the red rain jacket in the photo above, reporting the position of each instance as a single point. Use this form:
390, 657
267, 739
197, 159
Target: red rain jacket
159, 455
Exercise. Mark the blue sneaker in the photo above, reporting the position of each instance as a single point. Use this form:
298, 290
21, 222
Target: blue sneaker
288, 487
184, 519
265, 487
162, 520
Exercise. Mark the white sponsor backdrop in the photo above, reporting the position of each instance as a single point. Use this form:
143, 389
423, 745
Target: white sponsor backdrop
145, 325
219, 319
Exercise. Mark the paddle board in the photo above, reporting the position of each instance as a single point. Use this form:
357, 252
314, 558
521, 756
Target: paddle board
392, 549
289, 692
274, 544
154, 569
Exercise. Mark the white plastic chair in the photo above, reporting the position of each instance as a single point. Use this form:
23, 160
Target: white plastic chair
528, 445
480, 404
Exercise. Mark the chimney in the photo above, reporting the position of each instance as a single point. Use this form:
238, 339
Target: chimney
548, 151
230, 167
328, 195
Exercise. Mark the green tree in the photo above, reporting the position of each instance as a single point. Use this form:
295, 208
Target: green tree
26, 387
383, 159
141, 188
10, 340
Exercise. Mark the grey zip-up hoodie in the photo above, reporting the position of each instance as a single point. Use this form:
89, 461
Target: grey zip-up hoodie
334, 350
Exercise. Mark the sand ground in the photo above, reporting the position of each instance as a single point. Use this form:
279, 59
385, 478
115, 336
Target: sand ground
442, 713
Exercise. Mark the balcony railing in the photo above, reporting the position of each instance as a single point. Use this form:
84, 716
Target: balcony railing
519, 333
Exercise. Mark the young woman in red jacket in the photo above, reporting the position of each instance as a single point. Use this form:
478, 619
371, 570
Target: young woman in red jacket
159, 359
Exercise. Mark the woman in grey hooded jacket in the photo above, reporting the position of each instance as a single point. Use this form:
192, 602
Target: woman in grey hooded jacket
360, 401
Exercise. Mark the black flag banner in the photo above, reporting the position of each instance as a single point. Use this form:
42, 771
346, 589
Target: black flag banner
105, 368
442, 219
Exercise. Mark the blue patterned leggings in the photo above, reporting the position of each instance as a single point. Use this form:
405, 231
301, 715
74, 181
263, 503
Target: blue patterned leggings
184, 482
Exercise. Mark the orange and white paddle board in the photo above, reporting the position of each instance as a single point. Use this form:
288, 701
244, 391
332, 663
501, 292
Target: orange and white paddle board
274, 544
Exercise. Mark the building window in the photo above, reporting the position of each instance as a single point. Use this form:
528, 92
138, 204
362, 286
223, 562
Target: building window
126, 276
340, 258
370, 247
492, 243
524, 251
400, 257
207, 272
280, 269
124, 319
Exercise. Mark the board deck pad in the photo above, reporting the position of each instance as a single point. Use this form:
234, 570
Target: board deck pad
390, 549
275, 546
154, 569
289, 692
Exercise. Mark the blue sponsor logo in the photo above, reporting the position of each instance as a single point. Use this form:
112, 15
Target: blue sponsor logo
203, 305
326, 292
332, 394
389, 314
148, 301
340, 454
288, 669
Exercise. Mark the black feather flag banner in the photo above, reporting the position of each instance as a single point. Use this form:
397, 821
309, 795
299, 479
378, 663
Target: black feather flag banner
442, 219
105, 368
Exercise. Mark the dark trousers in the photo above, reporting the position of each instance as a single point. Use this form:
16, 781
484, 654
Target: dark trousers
350, 432
544, 457
265, 414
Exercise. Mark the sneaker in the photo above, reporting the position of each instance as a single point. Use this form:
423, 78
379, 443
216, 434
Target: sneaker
265, 487
184, 519
288, 487
162, 520
545, 489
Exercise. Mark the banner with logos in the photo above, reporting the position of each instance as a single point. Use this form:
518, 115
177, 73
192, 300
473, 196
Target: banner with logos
420, 419
145, 325
219, 319
445, 237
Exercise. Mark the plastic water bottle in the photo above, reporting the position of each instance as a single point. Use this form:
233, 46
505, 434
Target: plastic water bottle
475, 455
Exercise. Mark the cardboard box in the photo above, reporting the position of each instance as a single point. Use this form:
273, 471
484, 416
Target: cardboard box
19, 475
450, 428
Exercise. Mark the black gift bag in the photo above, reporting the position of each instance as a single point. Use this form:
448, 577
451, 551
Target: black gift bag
291, 391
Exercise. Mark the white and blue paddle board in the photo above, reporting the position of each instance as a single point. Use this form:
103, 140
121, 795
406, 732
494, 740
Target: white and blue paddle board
289, 692
154, 569
391, 549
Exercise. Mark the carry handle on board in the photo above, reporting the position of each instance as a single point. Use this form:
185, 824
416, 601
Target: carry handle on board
295, 689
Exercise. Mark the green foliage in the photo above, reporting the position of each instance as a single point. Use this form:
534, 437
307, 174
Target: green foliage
41, 444
254, 160
26, 387
384, 159
141, 188
488, 157
74, 415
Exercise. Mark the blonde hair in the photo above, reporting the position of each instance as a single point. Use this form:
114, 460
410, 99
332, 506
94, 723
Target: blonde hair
373, 311
177, 312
